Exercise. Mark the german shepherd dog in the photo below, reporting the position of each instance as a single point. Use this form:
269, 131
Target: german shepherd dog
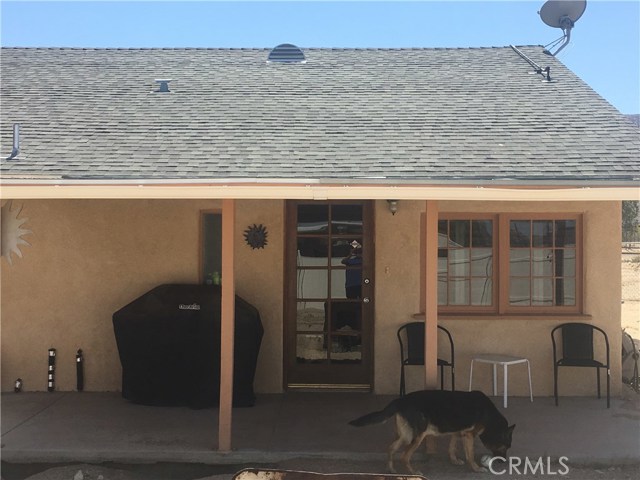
439, 412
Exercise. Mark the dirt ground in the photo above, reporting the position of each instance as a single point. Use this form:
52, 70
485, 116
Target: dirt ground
631, 294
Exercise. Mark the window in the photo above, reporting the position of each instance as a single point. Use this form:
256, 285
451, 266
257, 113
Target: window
210, 247
543, 267
465, 262
508, 264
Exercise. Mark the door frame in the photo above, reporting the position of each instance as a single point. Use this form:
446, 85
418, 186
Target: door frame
290, 296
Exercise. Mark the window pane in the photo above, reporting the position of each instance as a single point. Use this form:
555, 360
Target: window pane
459, 262
543, 233
481, 291
481, 262
313, 218
565, 262
542, 264
346, 283
519, 291
482, 233
312, 283
565, 233
346, 317
442, 290
520, 233
565, 291
346, 219
344, 253
310, 317
542, 291
311, 348
346, 349
459, 234
458, 291
312, 251
211, 245
442, 260
442, 232
519, 262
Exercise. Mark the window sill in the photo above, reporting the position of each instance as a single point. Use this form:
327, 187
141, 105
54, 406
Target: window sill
508, 316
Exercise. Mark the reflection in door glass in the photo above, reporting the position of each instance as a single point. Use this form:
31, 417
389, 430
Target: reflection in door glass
310, 317
346, 219
313, 219
311, 348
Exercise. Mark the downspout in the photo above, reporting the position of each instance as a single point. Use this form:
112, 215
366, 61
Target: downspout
16, 142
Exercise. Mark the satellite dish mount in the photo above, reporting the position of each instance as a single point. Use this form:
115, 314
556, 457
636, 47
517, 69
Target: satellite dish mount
561, 14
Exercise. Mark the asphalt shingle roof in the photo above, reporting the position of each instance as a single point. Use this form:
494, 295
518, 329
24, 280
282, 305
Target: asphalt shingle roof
419, 115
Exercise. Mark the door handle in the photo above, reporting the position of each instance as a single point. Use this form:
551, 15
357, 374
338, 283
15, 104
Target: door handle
366, 300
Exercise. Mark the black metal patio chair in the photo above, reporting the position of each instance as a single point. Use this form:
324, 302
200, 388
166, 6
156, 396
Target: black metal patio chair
411, 338
578, 351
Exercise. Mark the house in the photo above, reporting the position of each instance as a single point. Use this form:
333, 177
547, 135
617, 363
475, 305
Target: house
482, 188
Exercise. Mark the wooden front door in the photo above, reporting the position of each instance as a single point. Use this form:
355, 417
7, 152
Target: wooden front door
329, 295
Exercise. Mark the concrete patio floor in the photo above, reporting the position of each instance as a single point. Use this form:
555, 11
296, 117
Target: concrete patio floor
103, 427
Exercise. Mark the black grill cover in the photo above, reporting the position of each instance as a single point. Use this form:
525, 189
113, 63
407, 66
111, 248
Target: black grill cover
169, 345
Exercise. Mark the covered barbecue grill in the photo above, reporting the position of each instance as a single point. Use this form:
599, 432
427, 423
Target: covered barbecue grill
169, 345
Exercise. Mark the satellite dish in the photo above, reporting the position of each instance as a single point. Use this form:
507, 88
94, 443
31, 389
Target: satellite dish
562, 14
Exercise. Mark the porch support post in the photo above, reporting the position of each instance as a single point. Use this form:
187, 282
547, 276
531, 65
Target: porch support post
227, 324
431, 295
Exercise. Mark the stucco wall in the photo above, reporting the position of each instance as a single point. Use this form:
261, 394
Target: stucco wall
397, 299
89, 258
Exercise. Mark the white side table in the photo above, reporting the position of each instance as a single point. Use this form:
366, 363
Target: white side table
505, 361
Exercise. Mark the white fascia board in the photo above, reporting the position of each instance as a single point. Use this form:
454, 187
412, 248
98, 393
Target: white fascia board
285, 191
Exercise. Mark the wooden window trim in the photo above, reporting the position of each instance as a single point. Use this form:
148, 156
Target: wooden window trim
203, 212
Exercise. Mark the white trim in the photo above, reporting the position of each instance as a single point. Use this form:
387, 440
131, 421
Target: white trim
313, 192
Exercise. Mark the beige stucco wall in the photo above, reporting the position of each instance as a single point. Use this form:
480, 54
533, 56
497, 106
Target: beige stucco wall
89, 258
397, 299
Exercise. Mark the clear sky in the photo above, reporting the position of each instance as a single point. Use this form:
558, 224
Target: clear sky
604, 49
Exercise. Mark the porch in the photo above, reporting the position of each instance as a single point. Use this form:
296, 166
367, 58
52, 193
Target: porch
103, 427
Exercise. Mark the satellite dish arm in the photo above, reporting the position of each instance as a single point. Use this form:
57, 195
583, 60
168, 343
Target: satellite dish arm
567, 39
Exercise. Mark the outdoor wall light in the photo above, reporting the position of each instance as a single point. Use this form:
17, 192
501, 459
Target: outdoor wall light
393, 206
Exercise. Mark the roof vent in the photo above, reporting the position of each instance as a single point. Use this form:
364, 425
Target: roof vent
286, 53
163, 86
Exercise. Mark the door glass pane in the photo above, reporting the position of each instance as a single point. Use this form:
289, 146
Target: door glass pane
313, 219
542, 291
519, 291
312, 252
346, 317
459, 234
346, 349
346, 283
542, 264
346, 251
312, 283
520, 233
459, 262
481, 291
310, 317
519, 262
482, 233
543, 233
311, 348
346, 219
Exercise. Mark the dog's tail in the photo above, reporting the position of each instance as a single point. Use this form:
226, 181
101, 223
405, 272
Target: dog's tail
376, 417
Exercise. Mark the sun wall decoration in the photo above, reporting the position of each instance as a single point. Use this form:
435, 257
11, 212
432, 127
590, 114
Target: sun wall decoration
12, 231
256, 236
